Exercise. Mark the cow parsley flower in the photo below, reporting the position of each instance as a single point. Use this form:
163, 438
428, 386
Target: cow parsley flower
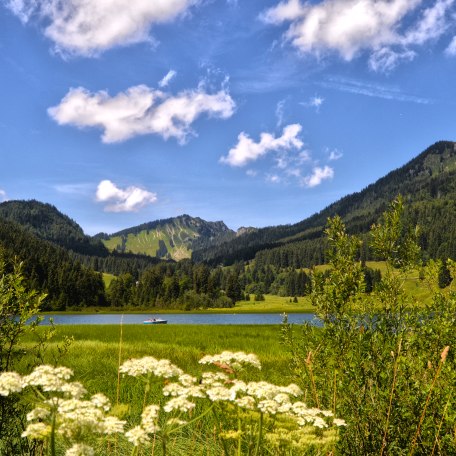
137, 436
149, 419
49, 378
234, 360
112, 425
38, 413
10, 382
79, 449
37, 431
150, 365
178, 403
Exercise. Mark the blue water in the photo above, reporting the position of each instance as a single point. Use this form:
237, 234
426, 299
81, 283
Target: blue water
179, 319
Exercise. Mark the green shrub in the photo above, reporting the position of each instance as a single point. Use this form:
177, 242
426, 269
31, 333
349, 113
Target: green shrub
380, 362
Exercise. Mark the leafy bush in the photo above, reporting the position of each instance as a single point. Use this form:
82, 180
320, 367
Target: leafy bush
381, 361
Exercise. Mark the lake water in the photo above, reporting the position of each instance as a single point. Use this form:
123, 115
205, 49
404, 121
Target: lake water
178, 319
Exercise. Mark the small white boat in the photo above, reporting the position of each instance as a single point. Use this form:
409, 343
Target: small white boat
155, 321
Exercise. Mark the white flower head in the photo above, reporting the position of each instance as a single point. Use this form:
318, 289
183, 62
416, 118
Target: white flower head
79, 449
38, 431
150, 365
49, 378
178, 403
149, 419
10, 382
112, 425
228, 359
137, 436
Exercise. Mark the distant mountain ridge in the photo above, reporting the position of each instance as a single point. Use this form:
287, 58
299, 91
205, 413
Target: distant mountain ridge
427, 183
173, 238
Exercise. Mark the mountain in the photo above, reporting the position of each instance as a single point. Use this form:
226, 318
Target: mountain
427, 183
173, 238
47, 222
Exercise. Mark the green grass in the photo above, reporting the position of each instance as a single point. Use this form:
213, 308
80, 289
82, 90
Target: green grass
107, 279
94, 353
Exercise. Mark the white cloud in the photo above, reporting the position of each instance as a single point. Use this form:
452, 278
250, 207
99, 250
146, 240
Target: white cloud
273, 178
3, 196
130, 199
371, 90
386, 28
167, 78
247, 150
89, 27
451, 49
314, 102
280, 112
251, 173
140, 110
335, 155
385, 59
74, 189
318, 176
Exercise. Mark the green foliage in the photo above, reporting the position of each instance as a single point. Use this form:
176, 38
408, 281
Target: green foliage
19, 307
380, 361
51, 270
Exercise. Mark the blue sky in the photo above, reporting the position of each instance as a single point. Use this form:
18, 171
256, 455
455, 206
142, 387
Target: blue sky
254, 112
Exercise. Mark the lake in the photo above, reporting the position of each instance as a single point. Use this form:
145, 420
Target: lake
178, 319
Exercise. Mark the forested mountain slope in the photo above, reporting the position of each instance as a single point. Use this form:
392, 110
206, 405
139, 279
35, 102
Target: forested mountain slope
427, 183
47, 222
50, 269
172, 238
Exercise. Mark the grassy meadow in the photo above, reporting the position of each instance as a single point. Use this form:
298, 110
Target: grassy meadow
94, 351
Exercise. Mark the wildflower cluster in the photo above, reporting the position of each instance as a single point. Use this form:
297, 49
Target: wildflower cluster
64, 411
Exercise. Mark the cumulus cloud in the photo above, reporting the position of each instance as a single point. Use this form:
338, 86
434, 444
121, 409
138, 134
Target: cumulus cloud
386, 28
167, 78
247, 150
130, 199
140, 110
3, 196
318, 176
87, 28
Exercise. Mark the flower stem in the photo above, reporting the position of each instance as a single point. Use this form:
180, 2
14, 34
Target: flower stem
260, 432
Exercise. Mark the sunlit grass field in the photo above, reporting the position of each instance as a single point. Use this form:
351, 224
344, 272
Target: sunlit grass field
94, 352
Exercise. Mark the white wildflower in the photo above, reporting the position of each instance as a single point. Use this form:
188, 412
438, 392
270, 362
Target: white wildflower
38, 413
268, 406
76, 415
339, 422
137, 436
79, 449
149, 419
112, 425
48, 377
220, 393
262, 390
178, 403
37, 431
234, 360
101, 401
214, 378
150, 365
291, 389
187, 380
246, 402
73, 389
10, 382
